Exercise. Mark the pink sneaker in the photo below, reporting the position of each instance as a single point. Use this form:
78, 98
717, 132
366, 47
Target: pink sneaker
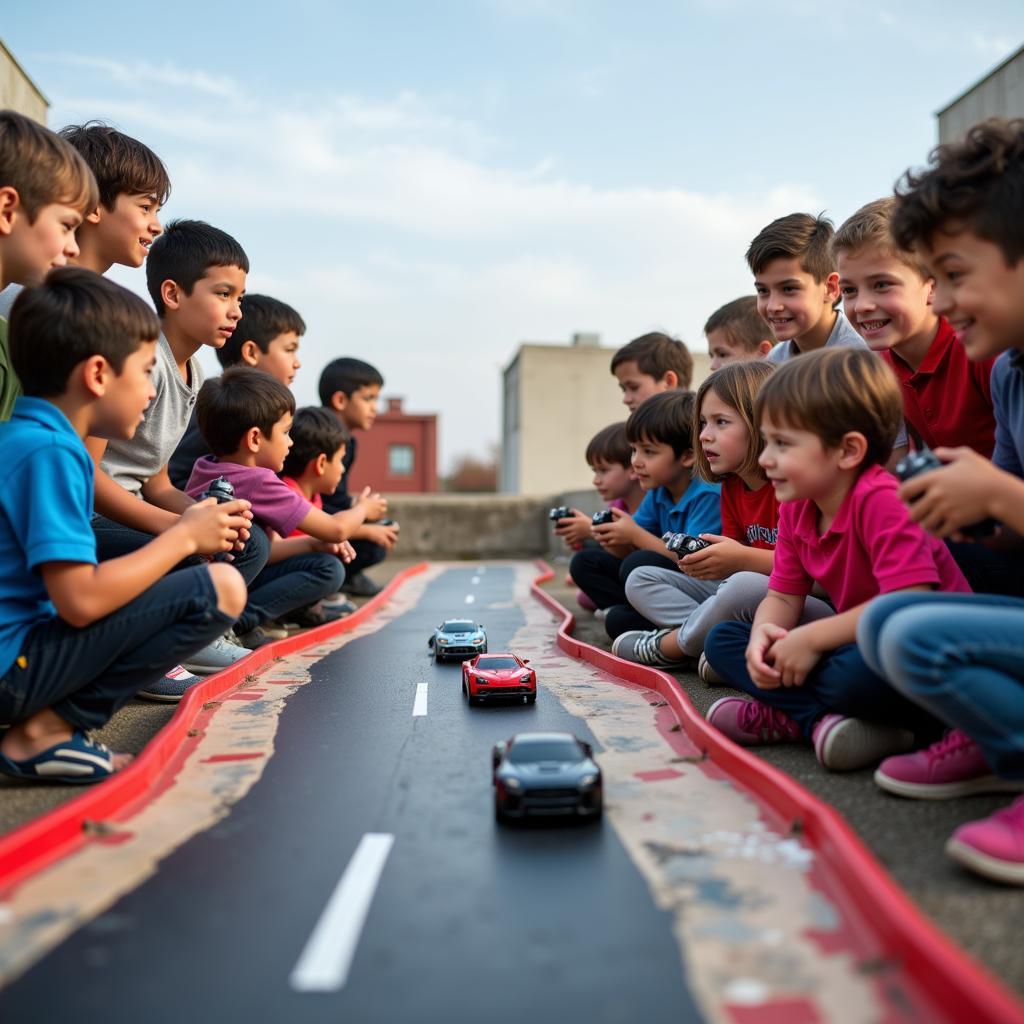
749, 722
585, 602
844, 744
993, 847
950, 768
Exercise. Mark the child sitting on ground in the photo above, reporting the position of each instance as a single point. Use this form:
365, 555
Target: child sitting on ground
650, 364
828, 420
961, 656
45, 191
78, 639
350, 389
887, 295
245, 416
726, 581
267, 338
660, 432
609, 458
737, 332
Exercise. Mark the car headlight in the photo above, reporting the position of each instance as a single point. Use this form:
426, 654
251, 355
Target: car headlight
512, 783
587, 781
478, 641
441, 640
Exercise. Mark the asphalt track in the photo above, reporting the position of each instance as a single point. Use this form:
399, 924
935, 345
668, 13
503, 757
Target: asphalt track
470, 921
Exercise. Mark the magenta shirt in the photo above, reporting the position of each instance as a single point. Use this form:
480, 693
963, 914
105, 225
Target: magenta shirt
274, 503
871, 548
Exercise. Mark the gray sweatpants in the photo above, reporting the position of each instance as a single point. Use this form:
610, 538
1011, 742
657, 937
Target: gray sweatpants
669, 597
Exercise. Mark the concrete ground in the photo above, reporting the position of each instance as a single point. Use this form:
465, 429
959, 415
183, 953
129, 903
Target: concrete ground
907, 836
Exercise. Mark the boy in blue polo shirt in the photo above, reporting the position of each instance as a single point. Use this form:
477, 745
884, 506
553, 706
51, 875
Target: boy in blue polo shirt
77, 638
660, 432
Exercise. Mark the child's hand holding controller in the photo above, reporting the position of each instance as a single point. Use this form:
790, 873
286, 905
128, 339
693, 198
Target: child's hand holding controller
620, 532
212, 527
575, 529
722, 559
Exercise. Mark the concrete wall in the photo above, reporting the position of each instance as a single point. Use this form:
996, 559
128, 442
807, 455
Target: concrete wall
999, 94
472, 526
18, 91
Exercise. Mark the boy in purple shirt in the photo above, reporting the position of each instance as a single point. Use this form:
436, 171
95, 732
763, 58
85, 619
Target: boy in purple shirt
828, 419
244, 416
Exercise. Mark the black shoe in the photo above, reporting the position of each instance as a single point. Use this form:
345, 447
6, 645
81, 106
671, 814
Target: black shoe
360, 585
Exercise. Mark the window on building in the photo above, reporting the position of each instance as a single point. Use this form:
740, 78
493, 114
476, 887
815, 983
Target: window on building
401, 459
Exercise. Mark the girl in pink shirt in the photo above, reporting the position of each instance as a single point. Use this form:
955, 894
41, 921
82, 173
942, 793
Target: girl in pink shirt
727, 580
828, 419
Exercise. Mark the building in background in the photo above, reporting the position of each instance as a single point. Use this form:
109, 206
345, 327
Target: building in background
399, 455
555, 398
18, 91
999, 94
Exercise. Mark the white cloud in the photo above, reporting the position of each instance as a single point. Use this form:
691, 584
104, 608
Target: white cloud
406, 242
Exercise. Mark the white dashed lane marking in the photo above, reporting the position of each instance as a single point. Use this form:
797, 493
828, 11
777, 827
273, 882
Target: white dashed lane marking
325, 962
419, 706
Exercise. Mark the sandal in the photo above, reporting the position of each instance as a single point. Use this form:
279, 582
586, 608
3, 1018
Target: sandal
73, 762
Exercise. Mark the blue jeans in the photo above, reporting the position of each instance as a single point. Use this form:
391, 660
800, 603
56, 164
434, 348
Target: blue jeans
86, 674
292, 583
841, 683
961, 656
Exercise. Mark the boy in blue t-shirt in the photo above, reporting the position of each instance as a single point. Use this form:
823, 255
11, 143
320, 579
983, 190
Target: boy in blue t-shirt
77, 638
660, 432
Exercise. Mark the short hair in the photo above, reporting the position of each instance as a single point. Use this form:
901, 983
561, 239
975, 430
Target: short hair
121, 164
738, 385
871, 225
609, 445
42, 167
655, 354
346, 374
263, 319
315, 431
976, 184
833, 391
664, 418
742, 323
184, 252
241, 398
72, 315
797, 236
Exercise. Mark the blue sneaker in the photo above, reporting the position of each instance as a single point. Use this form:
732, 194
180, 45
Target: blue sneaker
169, 689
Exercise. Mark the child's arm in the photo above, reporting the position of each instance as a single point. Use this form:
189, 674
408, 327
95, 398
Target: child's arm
724, 557
82, 592
575, 529
114, 502
966, 490
776, 615
385, 536
287, 547
335, 527
158, 490
625, 533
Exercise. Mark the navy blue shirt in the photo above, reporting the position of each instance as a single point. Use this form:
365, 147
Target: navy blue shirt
1008, 405
699, 510
46, 479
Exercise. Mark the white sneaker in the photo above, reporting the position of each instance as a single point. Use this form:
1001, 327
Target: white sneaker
707, 673
224, 651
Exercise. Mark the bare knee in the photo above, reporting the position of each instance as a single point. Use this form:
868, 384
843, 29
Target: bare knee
230, 587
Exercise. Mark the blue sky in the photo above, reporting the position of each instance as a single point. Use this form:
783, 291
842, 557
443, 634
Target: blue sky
432, 183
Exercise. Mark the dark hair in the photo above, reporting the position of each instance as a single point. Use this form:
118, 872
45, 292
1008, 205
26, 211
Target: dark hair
664, 418
238, 400
833, 391
315, 431
977, 184
742, 323
42, 167
655, 354
184, 252
798, 236
609, 445
122, 165
737, 385
72, 315
263, 319
346, 374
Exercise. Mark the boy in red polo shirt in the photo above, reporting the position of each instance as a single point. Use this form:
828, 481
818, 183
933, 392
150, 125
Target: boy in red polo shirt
887, 296
828, 420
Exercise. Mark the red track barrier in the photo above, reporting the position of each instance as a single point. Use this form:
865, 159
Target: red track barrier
965, 989
45, 839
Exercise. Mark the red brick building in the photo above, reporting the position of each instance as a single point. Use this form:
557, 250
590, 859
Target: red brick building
399, 454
